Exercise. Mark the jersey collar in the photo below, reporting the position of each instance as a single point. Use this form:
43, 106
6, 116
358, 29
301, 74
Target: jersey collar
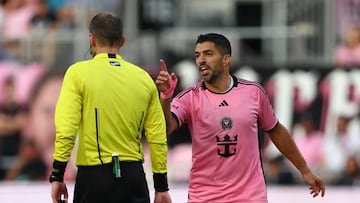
106, 55
235, 84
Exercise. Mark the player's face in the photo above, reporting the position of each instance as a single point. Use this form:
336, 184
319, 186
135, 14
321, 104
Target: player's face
209, 60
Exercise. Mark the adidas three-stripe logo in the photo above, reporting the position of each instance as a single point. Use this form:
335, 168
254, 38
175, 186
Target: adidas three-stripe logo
223, 103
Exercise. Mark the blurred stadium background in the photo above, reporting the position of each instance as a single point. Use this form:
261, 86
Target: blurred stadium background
264, 32
289, 46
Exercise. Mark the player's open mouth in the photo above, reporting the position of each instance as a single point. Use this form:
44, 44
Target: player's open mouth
204, 69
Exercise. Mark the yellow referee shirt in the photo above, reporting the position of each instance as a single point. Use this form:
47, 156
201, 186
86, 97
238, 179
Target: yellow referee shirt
108, 103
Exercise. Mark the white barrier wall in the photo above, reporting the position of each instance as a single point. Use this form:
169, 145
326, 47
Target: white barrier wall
36, 192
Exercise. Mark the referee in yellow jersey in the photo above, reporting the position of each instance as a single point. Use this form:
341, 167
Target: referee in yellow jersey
108, 103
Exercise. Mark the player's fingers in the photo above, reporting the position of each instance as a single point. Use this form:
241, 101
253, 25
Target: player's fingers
173, 76
163, 76
314, 192
163, 65
322, 189
322, 192
319, 186
66, 196
159, 82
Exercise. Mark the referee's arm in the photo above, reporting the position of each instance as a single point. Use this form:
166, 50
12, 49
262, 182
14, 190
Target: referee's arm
155, 129
67, 119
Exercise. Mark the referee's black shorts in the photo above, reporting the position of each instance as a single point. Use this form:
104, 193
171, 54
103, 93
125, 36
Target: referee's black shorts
96, 184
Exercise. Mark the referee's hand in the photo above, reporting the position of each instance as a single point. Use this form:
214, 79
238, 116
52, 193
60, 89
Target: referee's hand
59, 192
162, 197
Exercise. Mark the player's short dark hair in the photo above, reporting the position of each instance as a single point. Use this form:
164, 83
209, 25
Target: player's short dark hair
107, 28
219, 40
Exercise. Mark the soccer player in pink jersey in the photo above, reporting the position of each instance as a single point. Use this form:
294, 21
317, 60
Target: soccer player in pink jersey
223, 114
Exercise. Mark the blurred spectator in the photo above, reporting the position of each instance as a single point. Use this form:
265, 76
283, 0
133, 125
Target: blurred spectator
44, 25
43, 19
2, 2
34, 161
339, 147
55, 5
309, 140
278, 171
181, 136
25, 75
74, 14
17, 15
28, 164
351, 172
347, 54
12, 120
66, 17
2, 53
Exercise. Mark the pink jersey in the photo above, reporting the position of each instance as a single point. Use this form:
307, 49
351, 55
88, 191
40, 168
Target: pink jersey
226, 164
347, 57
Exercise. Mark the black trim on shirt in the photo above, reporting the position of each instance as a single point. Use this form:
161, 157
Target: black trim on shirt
277, 123
97, 134
112, 56
235, 80
176, 118
235, 84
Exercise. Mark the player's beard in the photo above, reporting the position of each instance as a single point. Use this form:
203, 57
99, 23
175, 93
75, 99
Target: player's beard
213, 75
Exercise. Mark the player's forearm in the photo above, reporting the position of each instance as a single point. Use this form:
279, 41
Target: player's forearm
171, 123
286, 145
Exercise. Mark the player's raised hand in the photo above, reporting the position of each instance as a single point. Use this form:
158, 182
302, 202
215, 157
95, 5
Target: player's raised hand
166, 82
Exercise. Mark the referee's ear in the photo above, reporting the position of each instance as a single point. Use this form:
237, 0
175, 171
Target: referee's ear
123, 39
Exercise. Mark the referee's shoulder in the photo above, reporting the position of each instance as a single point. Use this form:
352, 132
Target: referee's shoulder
134, 67
129, 64
78, 63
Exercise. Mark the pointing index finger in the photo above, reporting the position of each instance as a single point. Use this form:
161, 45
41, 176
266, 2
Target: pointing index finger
163, 65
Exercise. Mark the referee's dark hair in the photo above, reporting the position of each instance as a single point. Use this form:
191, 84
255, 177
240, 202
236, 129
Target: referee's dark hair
219, 40
107, 28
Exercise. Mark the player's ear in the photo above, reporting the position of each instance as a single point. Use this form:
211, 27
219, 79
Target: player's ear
226, 59
92, 39
122, 42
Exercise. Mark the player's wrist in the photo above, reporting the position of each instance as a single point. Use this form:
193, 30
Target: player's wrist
160, 182
167, 94
57, 172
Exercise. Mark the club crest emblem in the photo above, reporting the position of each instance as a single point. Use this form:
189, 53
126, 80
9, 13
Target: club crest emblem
226, 123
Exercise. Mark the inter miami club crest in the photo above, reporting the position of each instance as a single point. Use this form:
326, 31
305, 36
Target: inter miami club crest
226, 123
227, 144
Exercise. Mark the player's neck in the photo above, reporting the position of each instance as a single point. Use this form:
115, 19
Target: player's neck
107, 50
221, 85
